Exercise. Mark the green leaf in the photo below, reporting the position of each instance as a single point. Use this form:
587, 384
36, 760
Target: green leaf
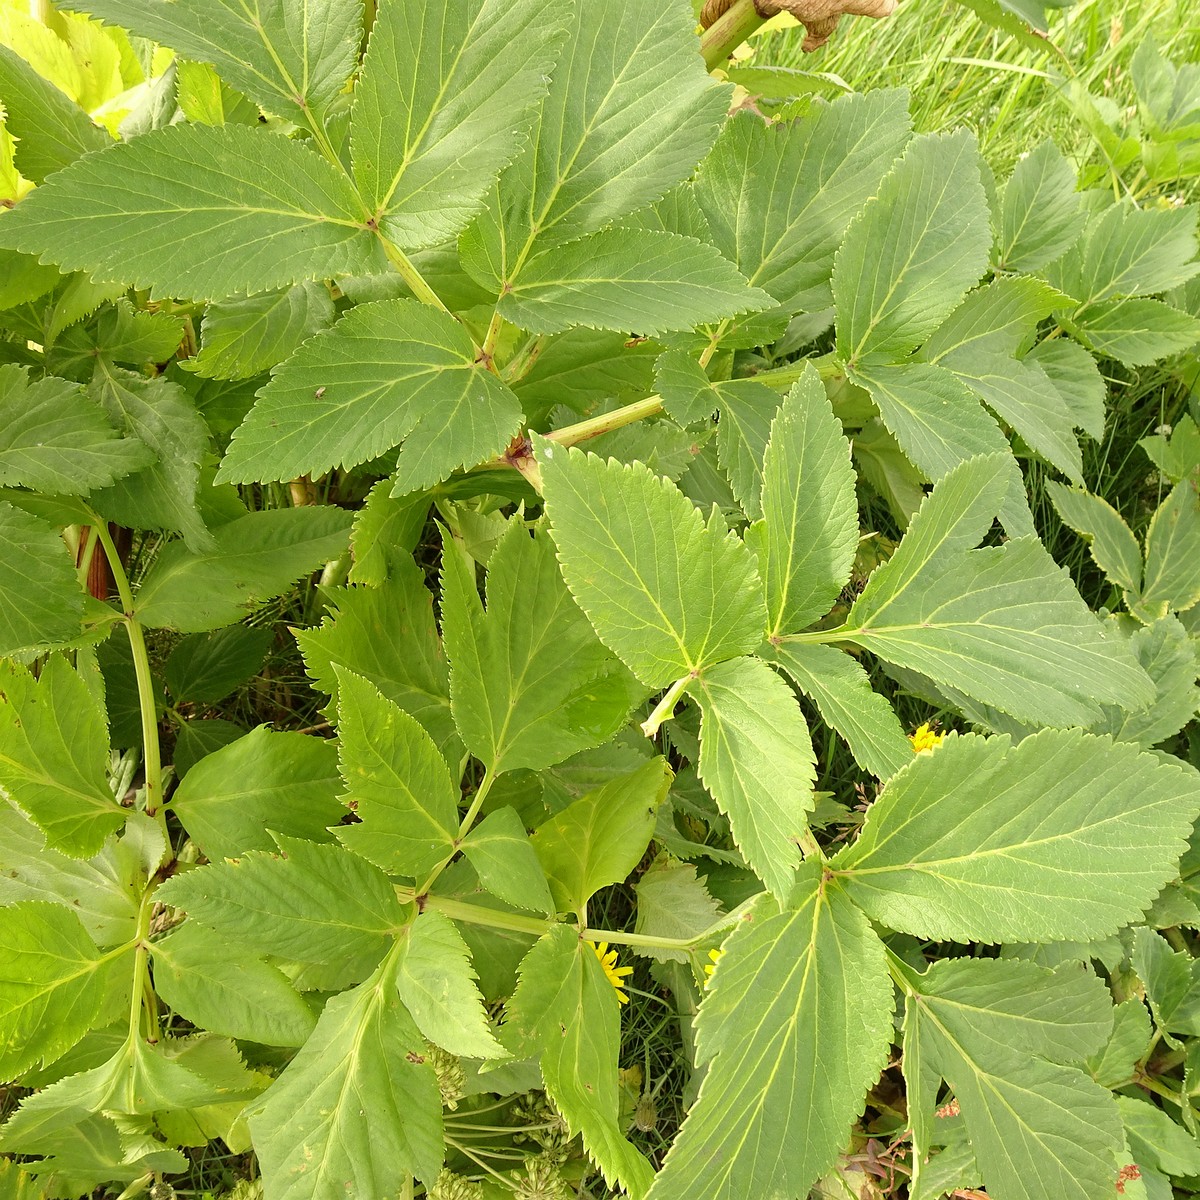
358, 1108
283, 781
565, 1007
757, 761
628, 279
665, 591
743, 431
1115, 1064
936, 418
600, 838
672, 903
397, 782
968, 618
293, 58
1062, 836
317, 904
52, 984
630, 112
1173, 552
389, 372
808, 535
440, 106
205, 668
243, 337
255, 557
436, 982
506, 863
529, 682
795, 1026
1171, 982
94, 889
145, 213
803, 182
912, 251
52, 130
844, 697
1136, 332
160, 414
999, 317
121, 333
1022, 394
1110, 541
1129, 251
41, 603
1040, 215
54, 756
1156, 1141
1178, 456
1040, 1130
686, 390
1074, 373
387, 635
238, 996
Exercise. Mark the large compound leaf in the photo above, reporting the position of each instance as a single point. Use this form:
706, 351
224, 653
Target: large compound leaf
55, 439
1004, 625
913, 250
255, 557
242, 337
388, 635
844, 697
756, 759
389, 372
1136, 332
529, 681
236, 995
795, 1026
565, 1008
51, 984
1064, 836
808, 536
1110, 541
160, 414
437, 983
1040, 214
291, 56
1074, 373
320, 903
1173, 552
54, 756
444, 93
1130, 252
396, 781
1000, 1033
802, 182
600, 838
198, 211
666, 592
268, 779
1001, 317
41, 603
630, 112
52, 130
636, 280
357, 1109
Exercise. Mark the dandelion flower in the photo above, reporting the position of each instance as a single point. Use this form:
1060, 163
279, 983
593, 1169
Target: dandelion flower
615, 975
924, 738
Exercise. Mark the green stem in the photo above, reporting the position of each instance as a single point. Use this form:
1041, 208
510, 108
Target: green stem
141, 956
728, 32
463, 829
411, 276
629, 414
151, 753
819, 637
488, 349
524, 359
783, 377
665, 709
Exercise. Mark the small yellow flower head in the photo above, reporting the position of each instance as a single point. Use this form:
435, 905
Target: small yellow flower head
710, 967
924, 738
615, 975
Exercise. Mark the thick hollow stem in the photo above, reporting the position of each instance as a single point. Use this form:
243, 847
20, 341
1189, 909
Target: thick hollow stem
728, 32
411, 276
629, 414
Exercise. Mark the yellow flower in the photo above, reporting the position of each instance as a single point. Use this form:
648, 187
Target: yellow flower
924, 738
710, 967
614, 974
